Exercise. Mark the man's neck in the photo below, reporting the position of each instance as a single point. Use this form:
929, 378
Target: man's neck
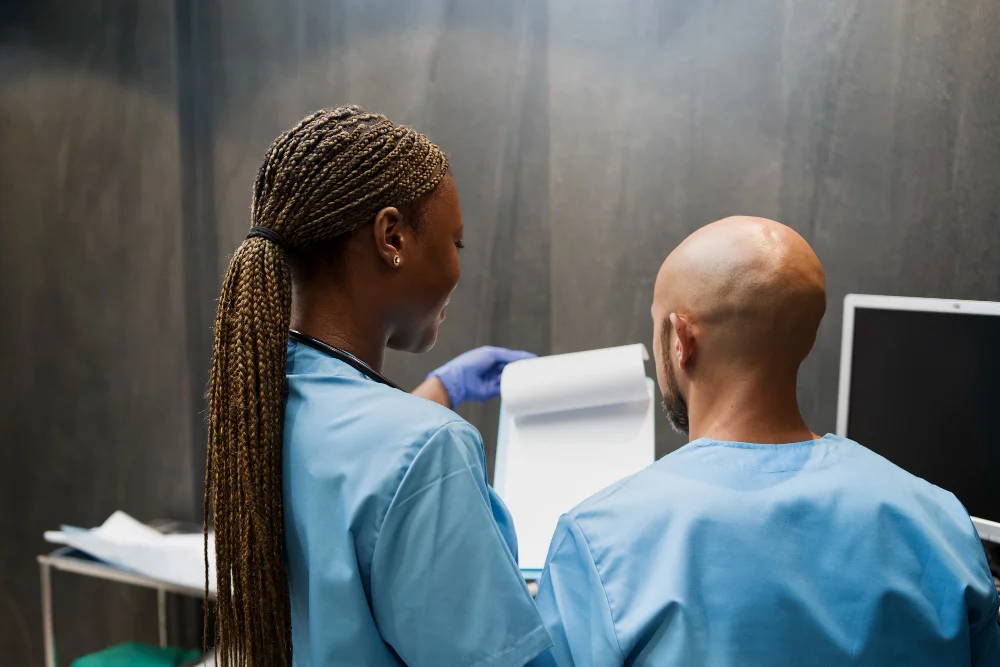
755, 410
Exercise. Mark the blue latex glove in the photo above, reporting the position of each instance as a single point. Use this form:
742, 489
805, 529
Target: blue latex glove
475, 375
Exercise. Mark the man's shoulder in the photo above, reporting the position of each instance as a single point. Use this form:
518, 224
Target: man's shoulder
886, 480
631, 496
687, 486
652, 486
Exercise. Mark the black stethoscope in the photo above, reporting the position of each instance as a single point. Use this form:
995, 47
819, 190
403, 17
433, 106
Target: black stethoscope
342, 355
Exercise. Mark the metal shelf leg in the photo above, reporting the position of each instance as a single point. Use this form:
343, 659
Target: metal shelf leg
161, 614
47, 628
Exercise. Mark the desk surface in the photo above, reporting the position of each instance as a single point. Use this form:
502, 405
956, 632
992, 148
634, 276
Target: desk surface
68, 559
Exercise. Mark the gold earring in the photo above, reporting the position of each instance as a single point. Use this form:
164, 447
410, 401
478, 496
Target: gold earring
396, 261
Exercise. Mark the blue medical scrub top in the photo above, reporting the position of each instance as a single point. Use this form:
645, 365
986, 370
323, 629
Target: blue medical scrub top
398, 550
724, 553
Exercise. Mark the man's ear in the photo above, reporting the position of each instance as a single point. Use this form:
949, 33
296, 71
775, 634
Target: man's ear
684, 345
389, 236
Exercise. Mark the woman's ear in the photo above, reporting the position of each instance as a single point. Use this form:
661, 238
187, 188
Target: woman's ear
390, 236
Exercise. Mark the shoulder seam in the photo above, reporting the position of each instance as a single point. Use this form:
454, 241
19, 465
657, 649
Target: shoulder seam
394, 500
606, 493
604, 588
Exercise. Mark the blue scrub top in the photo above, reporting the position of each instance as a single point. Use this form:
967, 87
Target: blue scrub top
724, 553
398, 550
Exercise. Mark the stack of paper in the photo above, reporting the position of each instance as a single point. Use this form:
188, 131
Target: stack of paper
130, 545
570, 425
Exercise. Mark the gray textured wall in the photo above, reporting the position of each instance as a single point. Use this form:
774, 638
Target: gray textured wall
96, 409
587, 139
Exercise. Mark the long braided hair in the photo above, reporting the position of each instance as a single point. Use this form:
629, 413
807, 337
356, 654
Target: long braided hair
324, 178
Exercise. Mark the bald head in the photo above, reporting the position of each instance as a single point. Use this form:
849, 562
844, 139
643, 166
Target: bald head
735, 310
750, 288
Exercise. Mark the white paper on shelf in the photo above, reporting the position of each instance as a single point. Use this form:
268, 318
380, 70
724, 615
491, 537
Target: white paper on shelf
123, 542
570, 425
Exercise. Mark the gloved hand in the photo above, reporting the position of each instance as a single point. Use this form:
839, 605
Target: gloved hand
475, 375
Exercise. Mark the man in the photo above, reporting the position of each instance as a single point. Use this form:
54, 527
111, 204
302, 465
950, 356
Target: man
759, 542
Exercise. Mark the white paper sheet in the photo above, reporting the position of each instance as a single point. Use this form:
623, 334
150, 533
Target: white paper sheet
570, 425
131, 545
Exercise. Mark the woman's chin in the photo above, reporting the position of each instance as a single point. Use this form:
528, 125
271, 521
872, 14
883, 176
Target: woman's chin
416, 344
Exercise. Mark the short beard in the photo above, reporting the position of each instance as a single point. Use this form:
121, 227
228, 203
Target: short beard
674, 404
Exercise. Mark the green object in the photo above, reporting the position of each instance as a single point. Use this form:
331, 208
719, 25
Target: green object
134, 654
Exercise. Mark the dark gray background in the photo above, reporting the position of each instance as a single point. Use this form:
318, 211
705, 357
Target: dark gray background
587, 139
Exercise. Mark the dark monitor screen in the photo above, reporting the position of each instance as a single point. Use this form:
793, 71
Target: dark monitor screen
925, 394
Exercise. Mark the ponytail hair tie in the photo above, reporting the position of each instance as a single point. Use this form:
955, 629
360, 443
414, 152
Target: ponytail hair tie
269, 234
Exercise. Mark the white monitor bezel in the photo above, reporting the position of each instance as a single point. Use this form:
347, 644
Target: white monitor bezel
988, 530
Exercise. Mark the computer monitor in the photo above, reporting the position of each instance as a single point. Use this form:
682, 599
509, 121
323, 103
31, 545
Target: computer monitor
920, 385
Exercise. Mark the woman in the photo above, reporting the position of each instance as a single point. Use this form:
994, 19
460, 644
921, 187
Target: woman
353, 521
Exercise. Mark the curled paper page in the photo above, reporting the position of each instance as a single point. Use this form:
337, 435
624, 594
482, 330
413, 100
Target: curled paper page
128, 544
575, 381
570, 425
